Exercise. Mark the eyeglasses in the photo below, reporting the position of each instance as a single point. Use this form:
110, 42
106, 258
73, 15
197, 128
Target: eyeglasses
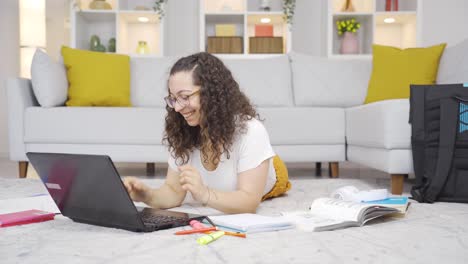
183, 100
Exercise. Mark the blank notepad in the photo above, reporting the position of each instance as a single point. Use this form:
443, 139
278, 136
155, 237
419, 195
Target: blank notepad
251, 223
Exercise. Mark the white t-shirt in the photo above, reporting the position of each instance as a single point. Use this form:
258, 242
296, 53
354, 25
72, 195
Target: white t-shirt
249, 150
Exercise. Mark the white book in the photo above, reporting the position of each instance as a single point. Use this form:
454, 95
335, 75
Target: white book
42, 202
251, 223
330, 214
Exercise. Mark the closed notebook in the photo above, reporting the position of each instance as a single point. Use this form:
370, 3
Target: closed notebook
25, 217
251, 223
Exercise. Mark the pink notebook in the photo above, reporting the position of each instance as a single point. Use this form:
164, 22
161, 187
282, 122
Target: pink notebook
25, 217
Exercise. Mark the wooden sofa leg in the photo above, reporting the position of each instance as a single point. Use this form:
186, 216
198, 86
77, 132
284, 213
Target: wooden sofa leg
397, 183
334, 170
23, 169
318, 168
150, 169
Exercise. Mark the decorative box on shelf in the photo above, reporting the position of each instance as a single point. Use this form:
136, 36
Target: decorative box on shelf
225, 45
225, 30
266, 45
264, 30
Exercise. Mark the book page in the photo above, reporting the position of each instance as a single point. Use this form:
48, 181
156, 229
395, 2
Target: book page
307, 221
337, 209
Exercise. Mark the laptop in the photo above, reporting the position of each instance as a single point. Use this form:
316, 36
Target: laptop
88, 189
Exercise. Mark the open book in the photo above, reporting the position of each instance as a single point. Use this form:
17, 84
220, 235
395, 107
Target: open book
401, 203
329, 214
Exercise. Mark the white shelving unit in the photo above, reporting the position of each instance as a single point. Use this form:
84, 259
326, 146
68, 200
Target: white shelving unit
121, 22
244, 14
404, 32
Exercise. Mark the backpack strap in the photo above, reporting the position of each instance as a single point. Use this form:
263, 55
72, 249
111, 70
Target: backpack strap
416, 118
449, 113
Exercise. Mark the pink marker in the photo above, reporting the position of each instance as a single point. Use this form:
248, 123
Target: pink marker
196, 224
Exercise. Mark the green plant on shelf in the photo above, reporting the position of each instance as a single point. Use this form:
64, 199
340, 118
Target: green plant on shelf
159, 7
347, 25
288, 10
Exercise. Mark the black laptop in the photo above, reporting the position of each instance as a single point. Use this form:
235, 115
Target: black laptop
88, 189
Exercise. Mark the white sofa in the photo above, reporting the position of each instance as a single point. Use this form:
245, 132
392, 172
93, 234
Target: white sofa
313, 109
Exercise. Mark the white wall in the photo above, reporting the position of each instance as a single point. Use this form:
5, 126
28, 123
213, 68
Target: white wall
57, 31
309, 33
9, 65
181, 27
444, 21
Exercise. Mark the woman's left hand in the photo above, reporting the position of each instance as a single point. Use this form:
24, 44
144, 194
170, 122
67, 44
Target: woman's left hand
190, 180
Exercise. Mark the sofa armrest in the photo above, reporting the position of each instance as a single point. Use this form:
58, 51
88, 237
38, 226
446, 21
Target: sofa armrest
19, 97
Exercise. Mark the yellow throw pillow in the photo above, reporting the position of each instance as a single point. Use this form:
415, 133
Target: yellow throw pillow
97, 79
395, 69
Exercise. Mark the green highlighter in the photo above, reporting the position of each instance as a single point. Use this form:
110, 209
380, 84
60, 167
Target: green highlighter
210, 237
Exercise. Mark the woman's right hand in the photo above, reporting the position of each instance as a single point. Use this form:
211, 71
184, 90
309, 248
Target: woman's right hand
138, 191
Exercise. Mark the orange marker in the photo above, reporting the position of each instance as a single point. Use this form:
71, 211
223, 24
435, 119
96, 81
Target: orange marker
193, 231
235, 234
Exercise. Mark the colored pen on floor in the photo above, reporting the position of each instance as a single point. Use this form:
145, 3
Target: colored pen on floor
193, 231
236, 234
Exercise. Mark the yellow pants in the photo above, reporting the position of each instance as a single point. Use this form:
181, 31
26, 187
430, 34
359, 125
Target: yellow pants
282, 184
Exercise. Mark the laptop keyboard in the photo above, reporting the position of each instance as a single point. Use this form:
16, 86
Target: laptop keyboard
160, 220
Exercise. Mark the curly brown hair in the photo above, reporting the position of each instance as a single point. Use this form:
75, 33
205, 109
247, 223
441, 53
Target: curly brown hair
224, 111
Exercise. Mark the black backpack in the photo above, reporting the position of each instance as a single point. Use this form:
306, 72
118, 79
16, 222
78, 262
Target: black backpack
439, 141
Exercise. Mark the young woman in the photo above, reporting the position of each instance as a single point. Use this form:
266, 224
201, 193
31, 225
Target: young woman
220, 153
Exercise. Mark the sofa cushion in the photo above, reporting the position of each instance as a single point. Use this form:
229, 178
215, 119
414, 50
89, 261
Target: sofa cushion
97, 79
329, 82
94, 125
453, 66
149, 80
267, 81
304, 125
49, 80
394, 69
381, 124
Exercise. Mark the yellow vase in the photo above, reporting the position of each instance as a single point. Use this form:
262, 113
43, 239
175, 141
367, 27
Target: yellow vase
142, 47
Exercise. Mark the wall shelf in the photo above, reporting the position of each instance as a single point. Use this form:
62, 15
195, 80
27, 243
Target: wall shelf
403, 32
121, 22
244, 15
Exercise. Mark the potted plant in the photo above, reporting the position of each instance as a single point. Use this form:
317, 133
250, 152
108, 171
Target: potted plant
288, 11
159, 6
348, 29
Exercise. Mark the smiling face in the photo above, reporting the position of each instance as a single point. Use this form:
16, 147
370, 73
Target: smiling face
181, 87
